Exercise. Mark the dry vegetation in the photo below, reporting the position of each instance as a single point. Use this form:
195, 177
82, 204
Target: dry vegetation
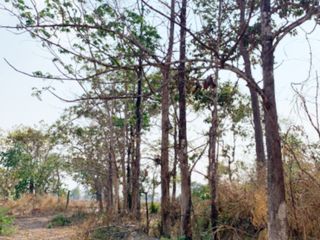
242, 212
30, 204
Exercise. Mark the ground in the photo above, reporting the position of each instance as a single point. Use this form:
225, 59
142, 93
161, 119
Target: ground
35, 228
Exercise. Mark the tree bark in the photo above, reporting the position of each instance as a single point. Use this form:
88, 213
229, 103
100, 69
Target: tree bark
131, 159
136, 164
277, 213
125, 188
98, 193
175, 160
165, 104
258, 133
116, 186
186, 230
109, 184
212, 157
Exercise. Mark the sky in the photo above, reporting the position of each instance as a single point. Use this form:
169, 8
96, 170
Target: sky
19, 107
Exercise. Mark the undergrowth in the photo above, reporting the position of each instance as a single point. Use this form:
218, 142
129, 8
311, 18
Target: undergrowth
6, 222
62, 220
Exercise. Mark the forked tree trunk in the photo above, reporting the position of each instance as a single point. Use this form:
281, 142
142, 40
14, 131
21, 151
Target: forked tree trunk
277, 213
165, 104
186, 230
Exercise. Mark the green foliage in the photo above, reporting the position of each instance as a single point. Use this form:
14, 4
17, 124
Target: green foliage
59, 221
154, 208
200, 191
5, 222
29, 159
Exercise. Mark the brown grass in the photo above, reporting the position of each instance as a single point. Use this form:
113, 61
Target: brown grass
46, 204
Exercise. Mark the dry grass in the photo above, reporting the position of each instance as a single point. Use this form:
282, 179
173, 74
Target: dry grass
46, 204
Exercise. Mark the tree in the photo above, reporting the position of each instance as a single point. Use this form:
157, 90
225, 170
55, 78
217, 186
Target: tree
165, 127
31, 160
186, 229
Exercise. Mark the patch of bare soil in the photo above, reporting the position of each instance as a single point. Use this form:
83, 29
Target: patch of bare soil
35, 228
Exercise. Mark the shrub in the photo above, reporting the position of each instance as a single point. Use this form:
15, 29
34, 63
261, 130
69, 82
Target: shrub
6, 222
59, 221
154, 208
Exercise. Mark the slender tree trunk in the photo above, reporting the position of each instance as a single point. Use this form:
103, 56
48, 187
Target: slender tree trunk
277, 213
258, 133
68, 200
136, 163
31, 187
98, 188
124, 172
147, 212
175, 160
109, 184
131, 159
116, 186
165, 104
186, 230
154, 186
212, 157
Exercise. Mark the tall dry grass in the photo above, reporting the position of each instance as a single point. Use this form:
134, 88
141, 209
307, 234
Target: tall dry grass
30, 204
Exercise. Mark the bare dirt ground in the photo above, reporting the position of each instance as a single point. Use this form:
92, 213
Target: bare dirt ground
35, 228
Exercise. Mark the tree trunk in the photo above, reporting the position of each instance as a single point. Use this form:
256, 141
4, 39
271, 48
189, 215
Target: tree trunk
109, 184
31, 187
131, 157
212, 157
175, 160
165, 104
124, 172
277, 213
98, 193
136, 163
258, 133
147, 212
115, 177
186, 230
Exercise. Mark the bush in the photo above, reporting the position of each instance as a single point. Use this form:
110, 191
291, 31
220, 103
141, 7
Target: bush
59, 221
154, 208
6, 222
78, 217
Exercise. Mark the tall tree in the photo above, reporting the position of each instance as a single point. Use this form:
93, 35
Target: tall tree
165, 127
213, 164
277, 210
255, 105
186, 229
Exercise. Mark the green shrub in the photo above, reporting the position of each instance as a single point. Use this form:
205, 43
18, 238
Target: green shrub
59, 221
154, 208
6, 222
